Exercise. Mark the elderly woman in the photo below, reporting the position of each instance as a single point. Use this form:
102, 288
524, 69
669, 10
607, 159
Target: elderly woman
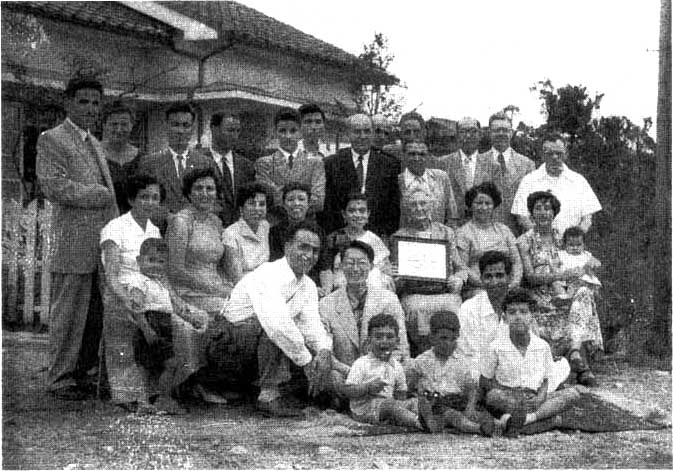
566, 329
195, 261
117, 126
482, 234
421, 299
246, 242
120, 243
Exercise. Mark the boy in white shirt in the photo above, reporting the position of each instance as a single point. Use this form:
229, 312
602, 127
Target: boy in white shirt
376, 385
516, 371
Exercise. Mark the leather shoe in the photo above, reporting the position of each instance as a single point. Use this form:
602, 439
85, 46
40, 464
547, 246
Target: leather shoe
278, 408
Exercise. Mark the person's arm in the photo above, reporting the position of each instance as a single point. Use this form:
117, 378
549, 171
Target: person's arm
593, 264
460, 270
413, 374
472, 398
232, 259
464, 248
318, 185
585, 223
515, 256
400, 388
310, 325
535, 279
177, 237
451, 216
52, 173
263, 175
487, 368
398, 313
359, 390
525, 222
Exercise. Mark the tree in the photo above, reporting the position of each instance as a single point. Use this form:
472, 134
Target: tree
379, 98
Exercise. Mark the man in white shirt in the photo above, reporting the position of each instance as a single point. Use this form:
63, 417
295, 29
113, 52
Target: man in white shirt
465, 167
482, 316
507, 168
283, 301
578, 200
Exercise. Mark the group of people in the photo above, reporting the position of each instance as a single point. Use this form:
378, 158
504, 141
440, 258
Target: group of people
208, 275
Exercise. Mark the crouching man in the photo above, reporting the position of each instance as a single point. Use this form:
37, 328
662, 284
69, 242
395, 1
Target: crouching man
273, 314
517, 375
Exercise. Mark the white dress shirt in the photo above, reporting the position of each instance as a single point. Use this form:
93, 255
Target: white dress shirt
227, 159
287, 154
572, 190
470, 165
177, 162
365, 163
286, 308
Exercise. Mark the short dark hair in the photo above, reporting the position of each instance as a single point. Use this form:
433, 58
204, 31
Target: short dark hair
153, 243
305, 225
293, 186
359, 245
518, 296
574, 231
356, 196
138, 182
552, 136
486, 188
406, 144
250, 190
194, 174
383, 320
180, 107
412, 116
444, 320
536, 196
219, 116
500, 115
493, 257
310, 108
286, 114
117, 107
81, 83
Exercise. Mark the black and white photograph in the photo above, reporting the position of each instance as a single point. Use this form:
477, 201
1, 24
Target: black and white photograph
371, 234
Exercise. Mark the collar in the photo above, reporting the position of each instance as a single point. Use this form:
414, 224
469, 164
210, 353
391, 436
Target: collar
246, 230
323, 148
287, 154
287, 272
355, 156
410, 177
507, 154
175, 154
566, 174
485, 306
82, 133
463, 156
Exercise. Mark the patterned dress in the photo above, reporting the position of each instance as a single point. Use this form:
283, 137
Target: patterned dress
560, 326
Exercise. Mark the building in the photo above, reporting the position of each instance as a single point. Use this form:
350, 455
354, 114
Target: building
219, 55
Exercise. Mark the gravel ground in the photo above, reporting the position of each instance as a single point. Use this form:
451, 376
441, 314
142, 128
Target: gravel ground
39, 432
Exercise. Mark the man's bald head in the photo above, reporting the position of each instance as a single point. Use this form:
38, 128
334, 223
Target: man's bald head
360, 132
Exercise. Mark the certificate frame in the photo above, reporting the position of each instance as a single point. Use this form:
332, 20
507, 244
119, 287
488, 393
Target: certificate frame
412, 251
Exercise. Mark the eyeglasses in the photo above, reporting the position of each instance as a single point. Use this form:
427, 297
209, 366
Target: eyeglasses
356, 263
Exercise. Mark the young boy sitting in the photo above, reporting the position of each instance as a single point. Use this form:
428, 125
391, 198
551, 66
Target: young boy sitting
445, 380
516, 371
376, 385
575, 257
153, 302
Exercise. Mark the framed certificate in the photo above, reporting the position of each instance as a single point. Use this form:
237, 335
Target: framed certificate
422, 259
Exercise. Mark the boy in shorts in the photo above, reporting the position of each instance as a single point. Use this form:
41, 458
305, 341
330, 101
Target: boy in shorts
376, 385
445, 381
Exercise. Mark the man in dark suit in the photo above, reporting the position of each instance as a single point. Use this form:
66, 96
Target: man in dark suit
233, 169
170, 164
365, 169
74, 176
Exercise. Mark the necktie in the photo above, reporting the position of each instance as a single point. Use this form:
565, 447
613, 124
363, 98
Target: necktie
181, 165
290, 159
226, 175
501, 161
361, 172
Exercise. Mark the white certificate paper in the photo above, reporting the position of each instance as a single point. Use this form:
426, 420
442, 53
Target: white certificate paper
421, 260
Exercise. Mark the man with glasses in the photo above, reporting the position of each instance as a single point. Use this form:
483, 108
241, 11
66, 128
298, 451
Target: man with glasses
578, 200
508, 167
466, 167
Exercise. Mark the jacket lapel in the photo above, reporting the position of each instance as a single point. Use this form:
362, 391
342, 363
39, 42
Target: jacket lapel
373, 170
170, 174
456, 168
346, 318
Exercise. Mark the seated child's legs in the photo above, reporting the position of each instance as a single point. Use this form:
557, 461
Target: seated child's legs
557, 402
404, 413
506, 401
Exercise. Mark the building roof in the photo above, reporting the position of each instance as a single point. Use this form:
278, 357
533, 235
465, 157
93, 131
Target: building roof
111, 16
241, 23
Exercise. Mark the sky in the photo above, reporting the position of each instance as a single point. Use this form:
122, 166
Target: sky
472, 58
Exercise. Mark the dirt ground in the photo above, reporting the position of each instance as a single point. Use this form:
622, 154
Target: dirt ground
39, 432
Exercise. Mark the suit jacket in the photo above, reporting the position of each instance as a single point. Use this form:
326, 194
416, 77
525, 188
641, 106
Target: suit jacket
380, 185
274, 172
453, 166
337, 316
75, 177
517, 167
445, 209
162, 167
244, 173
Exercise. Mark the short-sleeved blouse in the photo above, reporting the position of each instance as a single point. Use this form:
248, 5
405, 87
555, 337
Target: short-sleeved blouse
251, 248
